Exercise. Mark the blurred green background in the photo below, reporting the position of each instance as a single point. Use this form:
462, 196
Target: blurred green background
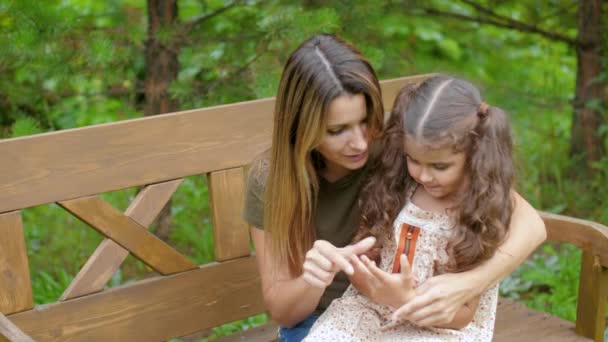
72, 63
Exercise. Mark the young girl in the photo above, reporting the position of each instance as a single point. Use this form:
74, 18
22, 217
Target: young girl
440, 198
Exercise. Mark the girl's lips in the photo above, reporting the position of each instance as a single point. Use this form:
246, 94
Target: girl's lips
431, 187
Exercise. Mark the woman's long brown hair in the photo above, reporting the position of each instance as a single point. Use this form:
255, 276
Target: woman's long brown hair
439, 112
320, 70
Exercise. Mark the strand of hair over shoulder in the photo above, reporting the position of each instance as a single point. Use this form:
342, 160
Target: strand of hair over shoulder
430, 106
330, 70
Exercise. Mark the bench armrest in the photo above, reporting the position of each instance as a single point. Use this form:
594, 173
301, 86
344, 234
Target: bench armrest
589, 236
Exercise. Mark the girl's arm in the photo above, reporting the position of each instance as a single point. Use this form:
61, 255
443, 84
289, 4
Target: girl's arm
290, 300
439, 298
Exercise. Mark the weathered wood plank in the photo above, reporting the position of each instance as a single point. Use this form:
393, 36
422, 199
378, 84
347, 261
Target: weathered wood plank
129, 234
10, 332
592, 293
109, 255
15, 284
515, 322
390, 88
589, 236
69, 164
230, 232
155, 309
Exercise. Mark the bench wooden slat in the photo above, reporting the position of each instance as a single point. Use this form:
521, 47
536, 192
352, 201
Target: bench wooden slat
15, 284
592, 293
10, 332
230, 232
109, 255
91, 160
79, 162
129, 234
515, 322
154, 309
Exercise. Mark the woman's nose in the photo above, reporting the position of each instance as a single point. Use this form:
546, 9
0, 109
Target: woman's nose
359, 139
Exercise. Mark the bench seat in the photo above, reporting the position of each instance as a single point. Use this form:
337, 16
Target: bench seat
514, 322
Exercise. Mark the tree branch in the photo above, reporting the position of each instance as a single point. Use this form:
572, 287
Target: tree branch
187, 27
237, 72
508, 23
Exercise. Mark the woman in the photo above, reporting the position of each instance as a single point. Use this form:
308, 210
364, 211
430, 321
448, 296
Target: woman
302, 197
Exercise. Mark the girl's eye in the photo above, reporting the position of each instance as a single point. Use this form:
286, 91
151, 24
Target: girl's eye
441, 167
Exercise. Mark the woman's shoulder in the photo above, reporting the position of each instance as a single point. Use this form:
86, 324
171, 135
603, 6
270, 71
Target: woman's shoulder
258, 172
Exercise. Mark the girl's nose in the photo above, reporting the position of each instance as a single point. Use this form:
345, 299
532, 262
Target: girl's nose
425, 175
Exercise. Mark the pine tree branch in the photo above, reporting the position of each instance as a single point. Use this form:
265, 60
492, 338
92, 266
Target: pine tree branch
498, 22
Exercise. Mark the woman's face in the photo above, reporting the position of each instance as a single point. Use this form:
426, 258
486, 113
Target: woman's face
344, 146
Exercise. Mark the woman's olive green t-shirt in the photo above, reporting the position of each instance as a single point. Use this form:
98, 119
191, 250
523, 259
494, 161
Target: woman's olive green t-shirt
335, 220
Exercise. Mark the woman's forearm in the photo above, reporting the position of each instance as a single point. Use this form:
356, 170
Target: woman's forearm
291, 301
526, 233
463, 316
288, 300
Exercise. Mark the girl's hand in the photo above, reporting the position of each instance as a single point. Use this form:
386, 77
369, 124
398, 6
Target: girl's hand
438, 300
324, 260
390, 289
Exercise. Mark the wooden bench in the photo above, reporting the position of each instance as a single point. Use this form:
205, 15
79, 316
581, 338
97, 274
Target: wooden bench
72, 167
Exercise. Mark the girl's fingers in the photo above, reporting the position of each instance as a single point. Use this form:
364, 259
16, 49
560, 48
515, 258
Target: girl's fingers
377, 272
359, 266
406, 271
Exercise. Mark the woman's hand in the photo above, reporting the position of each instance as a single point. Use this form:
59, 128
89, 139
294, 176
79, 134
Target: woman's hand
390, 289
324, 260
438, 300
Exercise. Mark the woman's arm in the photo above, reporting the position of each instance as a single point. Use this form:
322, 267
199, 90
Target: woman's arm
463, 316
440, 297
290, 300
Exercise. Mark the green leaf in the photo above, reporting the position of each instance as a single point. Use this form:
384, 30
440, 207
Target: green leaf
25, 126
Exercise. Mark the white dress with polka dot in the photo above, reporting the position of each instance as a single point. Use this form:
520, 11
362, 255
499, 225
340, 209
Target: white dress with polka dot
353, 317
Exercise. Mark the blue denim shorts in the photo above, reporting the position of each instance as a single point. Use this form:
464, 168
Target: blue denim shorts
298, 332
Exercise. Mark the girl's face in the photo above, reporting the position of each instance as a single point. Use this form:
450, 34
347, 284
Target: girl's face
439, 170
344, 146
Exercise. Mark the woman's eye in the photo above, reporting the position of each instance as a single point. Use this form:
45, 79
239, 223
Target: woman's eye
335, 131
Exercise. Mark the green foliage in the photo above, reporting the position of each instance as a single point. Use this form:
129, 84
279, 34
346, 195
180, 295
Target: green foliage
25, 126
548, 282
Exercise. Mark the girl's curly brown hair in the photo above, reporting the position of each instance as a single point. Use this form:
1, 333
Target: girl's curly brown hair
439, 112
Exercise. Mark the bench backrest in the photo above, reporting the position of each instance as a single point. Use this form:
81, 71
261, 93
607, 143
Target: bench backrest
72, 167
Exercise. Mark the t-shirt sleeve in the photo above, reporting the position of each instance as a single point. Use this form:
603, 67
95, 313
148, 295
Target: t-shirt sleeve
253, 209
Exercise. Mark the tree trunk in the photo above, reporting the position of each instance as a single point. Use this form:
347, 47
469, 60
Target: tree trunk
587, 118
161, 68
